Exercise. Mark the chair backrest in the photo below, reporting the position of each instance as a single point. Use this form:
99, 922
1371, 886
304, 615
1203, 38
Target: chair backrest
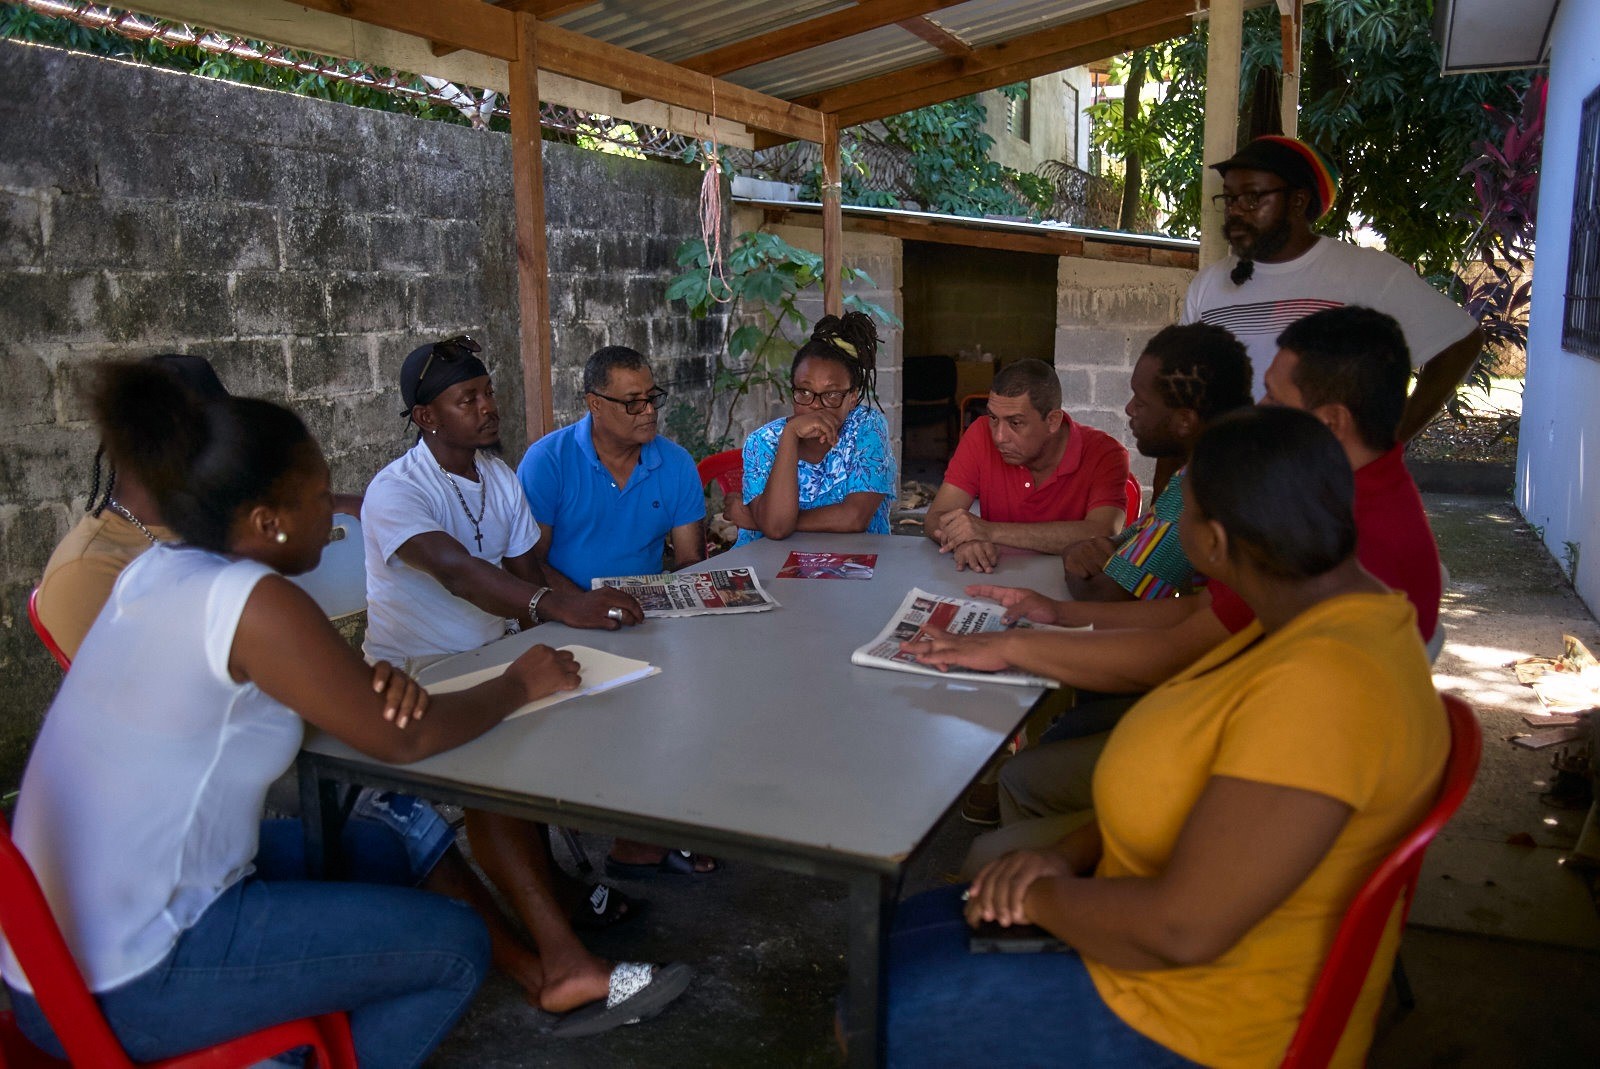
726, 469
44, 632
30, 928
1354, 945
973, 406
338, 584
1135, 498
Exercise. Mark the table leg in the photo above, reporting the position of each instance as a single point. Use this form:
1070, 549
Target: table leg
871, 905
322, 817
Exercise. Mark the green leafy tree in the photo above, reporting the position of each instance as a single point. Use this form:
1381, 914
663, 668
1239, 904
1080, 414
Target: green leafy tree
766, 276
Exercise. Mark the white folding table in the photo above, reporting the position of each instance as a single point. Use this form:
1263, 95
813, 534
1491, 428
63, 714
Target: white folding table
759, 740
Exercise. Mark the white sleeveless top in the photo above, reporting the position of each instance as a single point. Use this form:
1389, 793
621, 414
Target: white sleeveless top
143, 798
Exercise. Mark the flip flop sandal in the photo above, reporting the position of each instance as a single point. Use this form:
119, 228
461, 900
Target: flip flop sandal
672, 863
637, 993
604, 907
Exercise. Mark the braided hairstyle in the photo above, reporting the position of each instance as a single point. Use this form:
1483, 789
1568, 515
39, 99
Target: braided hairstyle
1201, 366
202, 459
851, 341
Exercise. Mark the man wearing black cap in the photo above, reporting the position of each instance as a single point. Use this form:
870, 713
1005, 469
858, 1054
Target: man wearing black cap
449, 547
1279, 270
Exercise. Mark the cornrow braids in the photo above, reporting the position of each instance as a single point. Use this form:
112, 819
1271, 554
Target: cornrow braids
97, 501
850, 340
1200, 366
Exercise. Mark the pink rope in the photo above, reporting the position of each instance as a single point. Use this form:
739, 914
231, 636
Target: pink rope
711, 215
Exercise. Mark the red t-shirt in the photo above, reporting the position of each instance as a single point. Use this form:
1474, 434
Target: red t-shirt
1393, 542
1093, 472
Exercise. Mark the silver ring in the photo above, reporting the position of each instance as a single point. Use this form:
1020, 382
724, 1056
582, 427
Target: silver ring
615, 614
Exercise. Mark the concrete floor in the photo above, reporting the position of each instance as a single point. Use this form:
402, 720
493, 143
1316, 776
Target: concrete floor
1503, 949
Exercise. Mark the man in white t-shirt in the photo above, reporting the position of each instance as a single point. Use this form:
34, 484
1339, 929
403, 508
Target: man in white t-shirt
450, 566
1279, 270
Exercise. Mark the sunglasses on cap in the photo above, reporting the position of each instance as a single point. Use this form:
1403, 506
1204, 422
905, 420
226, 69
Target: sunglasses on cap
448, 352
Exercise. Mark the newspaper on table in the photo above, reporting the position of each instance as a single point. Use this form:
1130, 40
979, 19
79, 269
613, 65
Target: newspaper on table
923, 613
719, 591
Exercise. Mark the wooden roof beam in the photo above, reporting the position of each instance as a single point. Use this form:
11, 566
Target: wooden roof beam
910, 98
544, 10
992, 65
824, 29
492, 31
937, 36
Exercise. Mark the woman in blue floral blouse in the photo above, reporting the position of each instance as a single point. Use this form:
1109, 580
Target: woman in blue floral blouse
828, 467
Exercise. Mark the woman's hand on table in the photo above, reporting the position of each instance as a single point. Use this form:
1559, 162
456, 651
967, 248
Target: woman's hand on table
945, 651
1000, 891
543, 671
1019, 602
404, 700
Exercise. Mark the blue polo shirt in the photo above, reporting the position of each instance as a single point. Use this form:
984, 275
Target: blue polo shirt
596, 527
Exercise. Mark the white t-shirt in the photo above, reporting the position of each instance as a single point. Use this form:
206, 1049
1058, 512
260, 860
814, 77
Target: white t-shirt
409, 613
1330, 274
142, 800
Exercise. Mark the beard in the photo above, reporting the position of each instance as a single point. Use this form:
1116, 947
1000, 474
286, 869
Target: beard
1253, 244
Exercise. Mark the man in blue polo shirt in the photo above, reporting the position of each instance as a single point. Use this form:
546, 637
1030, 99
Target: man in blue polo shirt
607, 491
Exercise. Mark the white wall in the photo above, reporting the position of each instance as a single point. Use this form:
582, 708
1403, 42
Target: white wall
1558, 460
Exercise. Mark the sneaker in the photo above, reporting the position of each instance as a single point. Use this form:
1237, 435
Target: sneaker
982, 805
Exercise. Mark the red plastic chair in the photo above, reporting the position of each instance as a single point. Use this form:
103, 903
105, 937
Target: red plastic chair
726, 469
1334, 996
44, 633
36, 941
1135, 497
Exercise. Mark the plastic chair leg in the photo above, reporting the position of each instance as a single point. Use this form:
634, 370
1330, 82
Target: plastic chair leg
1402, 985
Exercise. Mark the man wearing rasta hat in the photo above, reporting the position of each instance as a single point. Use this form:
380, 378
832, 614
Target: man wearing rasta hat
1279, 270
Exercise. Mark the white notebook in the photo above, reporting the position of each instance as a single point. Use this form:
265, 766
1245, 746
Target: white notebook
600, 671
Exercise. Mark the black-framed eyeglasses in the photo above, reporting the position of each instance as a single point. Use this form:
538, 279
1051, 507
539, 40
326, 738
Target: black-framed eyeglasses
448, 352
1248, 201
635, 406
827, 398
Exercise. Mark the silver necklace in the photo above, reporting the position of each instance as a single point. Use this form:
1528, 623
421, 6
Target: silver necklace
483, 502
116, 506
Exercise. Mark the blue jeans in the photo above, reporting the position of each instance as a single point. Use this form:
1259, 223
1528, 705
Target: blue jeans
950, 1007
403, 963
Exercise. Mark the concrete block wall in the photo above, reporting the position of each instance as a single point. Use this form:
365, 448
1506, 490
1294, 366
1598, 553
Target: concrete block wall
960, 298
304, 247
1105, 311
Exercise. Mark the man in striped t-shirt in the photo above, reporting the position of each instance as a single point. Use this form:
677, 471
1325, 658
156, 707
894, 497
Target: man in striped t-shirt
1279, 270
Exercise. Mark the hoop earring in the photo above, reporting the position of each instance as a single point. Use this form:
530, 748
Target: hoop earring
280, 538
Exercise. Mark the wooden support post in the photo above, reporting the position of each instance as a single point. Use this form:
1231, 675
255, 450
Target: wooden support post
1224, 42
1293, 19
527, 184
832, 220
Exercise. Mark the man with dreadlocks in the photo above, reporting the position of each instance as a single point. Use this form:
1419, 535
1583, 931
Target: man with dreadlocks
1184, 380
1279, 270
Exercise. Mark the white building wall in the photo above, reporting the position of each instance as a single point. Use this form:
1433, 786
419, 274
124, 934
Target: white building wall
1558, 460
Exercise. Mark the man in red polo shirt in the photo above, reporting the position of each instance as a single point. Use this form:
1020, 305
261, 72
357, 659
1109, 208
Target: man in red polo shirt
1041, 480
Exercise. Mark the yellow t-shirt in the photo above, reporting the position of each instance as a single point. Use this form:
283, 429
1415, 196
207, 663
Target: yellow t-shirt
1338, 701
81, 572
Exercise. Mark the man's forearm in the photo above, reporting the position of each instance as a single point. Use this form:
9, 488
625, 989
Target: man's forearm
1052, 537
1098, 588
1437, 381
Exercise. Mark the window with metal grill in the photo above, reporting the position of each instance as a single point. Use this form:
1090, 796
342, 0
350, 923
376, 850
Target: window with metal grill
1580, 327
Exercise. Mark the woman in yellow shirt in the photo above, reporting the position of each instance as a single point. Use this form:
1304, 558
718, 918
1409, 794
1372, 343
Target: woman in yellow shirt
1238, 807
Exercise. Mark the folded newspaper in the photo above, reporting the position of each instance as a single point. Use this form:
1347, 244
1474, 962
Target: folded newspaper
923, 613
694, 593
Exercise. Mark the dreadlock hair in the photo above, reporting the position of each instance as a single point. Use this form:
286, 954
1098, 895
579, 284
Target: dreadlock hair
202, 459
1201, 366
850, 340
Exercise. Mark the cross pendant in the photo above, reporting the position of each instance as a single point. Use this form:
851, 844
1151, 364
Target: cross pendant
479, 538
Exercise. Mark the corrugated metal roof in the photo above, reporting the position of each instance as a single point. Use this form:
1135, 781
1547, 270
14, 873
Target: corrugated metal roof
986, 22
837, 63
674, 30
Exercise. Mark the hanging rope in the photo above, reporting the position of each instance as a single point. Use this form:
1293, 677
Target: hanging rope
711, 215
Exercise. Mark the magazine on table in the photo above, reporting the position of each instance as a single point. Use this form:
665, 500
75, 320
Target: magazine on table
802, 565
923, 613
718, 591
599, 671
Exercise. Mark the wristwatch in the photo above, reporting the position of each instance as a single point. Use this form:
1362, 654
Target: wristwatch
533, 603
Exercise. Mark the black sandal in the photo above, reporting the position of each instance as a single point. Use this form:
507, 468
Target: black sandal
603, 907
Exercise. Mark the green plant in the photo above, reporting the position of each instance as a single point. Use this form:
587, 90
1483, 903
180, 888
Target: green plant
1569, 555
765, 278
